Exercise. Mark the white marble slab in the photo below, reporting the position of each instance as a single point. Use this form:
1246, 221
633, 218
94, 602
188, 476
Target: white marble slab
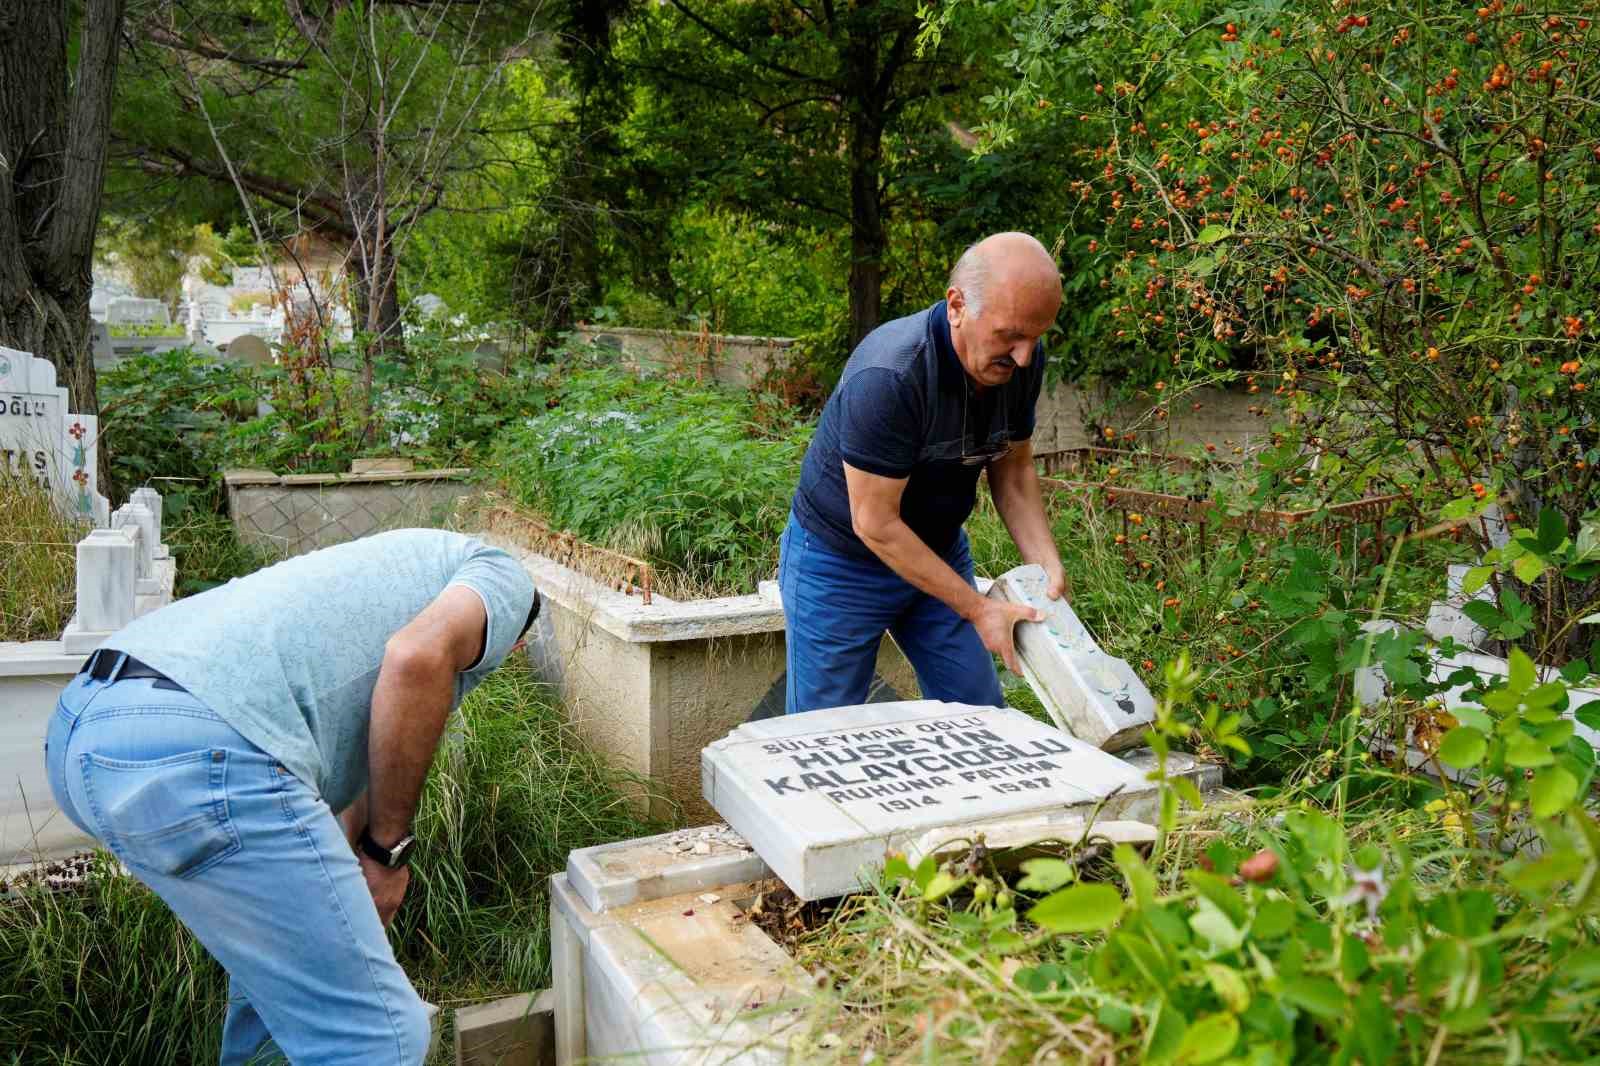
1094, 696
677, 981
822, 795
1446, 618
672, 864
107, 579
1372, 685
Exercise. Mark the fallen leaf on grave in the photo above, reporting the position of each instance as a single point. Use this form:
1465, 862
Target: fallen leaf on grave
688, 914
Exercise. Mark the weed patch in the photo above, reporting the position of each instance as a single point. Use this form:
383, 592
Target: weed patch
38, 559
679, 475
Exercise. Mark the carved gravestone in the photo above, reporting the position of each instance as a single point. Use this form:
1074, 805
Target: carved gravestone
822, 795
1094, 696
41, 438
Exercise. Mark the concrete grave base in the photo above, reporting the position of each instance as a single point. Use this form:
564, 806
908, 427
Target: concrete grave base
296, 513
650, 685
683, 980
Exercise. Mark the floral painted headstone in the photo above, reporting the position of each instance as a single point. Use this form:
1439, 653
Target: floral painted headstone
41, 437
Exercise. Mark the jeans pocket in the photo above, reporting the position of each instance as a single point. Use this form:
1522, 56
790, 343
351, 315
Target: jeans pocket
167, 816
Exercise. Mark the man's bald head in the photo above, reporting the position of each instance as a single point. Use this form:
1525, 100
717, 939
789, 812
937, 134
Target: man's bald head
1004, 293
1010, 259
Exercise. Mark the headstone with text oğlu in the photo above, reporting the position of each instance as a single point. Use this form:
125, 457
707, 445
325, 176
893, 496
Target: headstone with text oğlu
822, 795
41, 438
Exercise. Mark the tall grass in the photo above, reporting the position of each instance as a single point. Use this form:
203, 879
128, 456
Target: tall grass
107, 975
512, 793
38, 551
208, 551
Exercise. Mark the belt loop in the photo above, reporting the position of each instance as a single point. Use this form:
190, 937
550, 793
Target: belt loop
101, 668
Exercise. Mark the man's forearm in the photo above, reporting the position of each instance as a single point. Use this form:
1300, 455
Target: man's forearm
1021, 505
409, 708
905, 553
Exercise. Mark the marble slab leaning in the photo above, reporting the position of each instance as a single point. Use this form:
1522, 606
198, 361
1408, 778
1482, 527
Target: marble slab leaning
1094, 696
822, 795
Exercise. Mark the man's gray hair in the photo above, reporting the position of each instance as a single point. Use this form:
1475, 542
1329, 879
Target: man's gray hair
971, 276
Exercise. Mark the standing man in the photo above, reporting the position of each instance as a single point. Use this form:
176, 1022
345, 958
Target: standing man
209, 744
874, 541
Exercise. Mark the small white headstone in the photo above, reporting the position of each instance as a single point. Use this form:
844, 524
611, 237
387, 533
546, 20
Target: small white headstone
1094, 696
822, 795
107, 573
249, 349
139, 517
100, 345
151, 499
41, 438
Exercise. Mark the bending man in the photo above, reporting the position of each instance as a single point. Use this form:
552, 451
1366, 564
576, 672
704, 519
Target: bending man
875, 538
209, 744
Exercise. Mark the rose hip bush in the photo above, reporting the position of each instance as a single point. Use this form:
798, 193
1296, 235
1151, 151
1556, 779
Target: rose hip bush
1386, 216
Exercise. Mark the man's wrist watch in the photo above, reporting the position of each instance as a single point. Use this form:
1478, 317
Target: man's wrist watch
392, 857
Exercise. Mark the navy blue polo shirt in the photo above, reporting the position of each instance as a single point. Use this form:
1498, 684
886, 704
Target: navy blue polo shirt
905, 408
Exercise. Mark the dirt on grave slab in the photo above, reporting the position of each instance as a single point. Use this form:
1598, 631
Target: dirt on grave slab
786, 918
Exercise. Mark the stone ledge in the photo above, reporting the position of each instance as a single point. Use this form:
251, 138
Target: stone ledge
246, 478
514, 1031
38, 657
593, 332
628, 618
648, 868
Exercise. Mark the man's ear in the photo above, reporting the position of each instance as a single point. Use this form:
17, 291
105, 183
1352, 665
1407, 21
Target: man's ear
955, 310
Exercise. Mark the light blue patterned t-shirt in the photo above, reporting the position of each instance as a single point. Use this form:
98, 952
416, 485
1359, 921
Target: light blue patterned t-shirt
289, 655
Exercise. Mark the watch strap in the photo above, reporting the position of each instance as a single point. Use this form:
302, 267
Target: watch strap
390, 857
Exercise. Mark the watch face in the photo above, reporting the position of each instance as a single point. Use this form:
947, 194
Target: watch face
400, 854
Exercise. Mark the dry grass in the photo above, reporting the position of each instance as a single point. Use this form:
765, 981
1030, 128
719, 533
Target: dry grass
37, 556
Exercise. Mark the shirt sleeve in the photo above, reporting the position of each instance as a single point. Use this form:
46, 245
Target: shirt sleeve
880, 430
1024, 420
507, 594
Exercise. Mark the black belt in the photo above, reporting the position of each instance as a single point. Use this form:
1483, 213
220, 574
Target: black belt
108, 665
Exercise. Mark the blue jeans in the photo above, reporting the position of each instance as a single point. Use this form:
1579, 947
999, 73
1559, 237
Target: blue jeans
251, 860
836, 609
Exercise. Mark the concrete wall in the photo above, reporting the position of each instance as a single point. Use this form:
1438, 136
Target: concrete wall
1203, 416
727, 358
296, 513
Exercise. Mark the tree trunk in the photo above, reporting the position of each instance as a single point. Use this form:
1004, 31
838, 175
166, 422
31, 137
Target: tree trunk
377, 297
868, 237
377, 314
53, 142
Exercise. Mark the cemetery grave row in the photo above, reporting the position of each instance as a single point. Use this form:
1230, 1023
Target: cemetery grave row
122, 570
